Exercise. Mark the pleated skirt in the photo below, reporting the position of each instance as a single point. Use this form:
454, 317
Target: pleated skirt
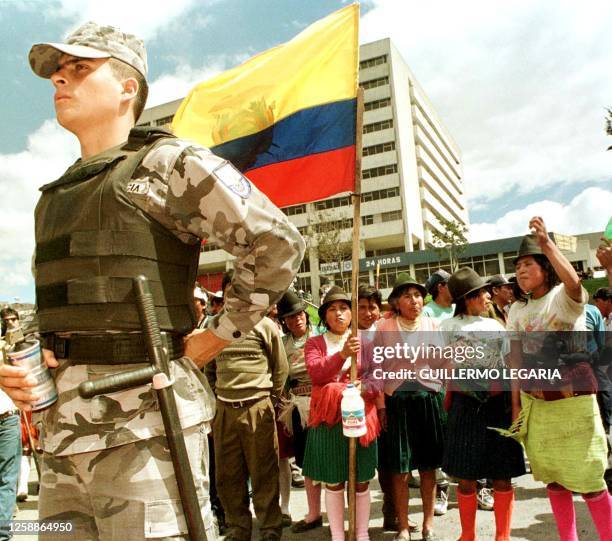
326, 456
473, 451
416, 431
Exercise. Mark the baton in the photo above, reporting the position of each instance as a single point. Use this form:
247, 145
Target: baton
159, 375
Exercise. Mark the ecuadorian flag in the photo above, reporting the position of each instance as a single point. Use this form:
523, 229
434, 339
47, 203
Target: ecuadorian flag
286, 117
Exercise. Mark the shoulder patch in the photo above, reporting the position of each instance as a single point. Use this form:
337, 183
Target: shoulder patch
138, 187
234, 180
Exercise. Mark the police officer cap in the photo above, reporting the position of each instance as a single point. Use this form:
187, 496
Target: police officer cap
90, 41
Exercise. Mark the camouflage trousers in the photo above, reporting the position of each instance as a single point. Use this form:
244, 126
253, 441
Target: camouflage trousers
125, 492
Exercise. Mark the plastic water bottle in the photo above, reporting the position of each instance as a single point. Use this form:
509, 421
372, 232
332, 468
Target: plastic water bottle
353, 412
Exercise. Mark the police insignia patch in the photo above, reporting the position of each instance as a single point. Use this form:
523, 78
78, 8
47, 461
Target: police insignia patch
138, 187
234, 180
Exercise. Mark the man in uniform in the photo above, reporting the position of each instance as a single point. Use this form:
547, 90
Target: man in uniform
138, 202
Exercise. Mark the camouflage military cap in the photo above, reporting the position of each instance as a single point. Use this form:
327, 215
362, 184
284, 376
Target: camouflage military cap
90, 41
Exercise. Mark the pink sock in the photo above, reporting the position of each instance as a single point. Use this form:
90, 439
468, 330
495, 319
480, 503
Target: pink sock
600, 508
363, 515
313, 496
562, 505
334, 504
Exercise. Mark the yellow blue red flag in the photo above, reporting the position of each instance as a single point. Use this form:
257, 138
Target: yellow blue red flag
286, 117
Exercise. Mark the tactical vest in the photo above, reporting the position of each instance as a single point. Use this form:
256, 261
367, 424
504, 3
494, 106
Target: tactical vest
91, 239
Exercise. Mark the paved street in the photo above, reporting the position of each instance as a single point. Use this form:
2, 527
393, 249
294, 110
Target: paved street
532, 517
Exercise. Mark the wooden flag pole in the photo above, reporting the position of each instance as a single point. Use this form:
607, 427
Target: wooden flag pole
356, 196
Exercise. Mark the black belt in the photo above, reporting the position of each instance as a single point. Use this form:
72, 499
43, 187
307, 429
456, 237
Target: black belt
7, 414
108, 348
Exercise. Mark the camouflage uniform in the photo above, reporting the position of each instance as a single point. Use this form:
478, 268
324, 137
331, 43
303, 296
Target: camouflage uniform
106, 466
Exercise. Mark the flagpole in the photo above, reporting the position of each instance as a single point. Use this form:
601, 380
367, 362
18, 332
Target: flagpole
356, 196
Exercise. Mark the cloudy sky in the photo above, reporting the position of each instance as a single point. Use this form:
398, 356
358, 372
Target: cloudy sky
521, 85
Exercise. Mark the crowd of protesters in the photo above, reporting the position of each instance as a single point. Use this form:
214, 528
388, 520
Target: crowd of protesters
278, 394
441, 429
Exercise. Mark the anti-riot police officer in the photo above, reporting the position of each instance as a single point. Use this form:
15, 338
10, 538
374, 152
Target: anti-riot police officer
137, 202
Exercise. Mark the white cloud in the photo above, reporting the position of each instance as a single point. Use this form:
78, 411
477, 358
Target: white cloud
49, 151
172, 86
521, 85
141, 17
589, 211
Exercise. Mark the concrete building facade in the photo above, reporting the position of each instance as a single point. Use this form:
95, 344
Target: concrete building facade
411, 169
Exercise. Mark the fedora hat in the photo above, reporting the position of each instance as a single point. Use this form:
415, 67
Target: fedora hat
290, 304
335, 293
498, 280
404, 280
529, 246
464, 281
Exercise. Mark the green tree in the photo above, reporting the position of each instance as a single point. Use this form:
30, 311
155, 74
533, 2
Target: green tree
325, 232
609, 123
451, 241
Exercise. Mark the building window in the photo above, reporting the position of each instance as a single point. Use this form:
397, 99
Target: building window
379, 171
391, 216
303, 230
380, 194
377, 104
374, 83
164, 120
371, 62
305, 266
144, 124
293, 210
387, 277
424, 270
367, 220
378, 126
302, 283
344, 223
332, 203
379, 149
421, 273
208, 247
509, 258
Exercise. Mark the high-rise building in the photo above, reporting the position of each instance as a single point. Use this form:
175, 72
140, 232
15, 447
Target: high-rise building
411, 169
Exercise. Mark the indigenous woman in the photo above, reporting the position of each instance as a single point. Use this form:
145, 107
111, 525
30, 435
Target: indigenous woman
294, 410
326, 458
561, 427
415, 418
473, 451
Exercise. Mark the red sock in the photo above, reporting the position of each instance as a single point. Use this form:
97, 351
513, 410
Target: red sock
502, 507
562, 504
467, 515
600, 508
